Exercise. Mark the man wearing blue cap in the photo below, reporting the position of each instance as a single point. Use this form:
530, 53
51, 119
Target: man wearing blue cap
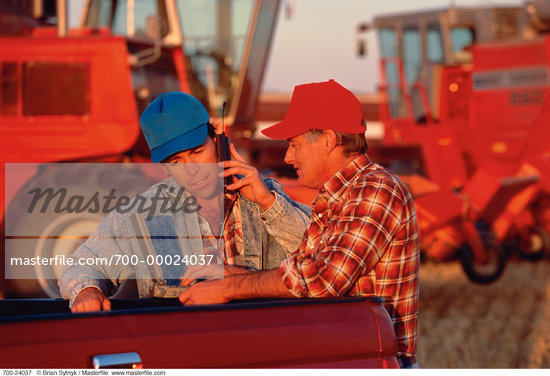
257, 222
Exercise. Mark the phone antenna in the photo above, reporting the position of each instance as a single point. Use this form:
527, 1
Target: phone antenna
223, 116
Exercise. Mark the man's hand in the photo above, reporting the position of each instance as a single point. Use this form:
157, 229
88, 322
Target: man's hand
214, 271
207, 292
89, 300
251, 185
264, 284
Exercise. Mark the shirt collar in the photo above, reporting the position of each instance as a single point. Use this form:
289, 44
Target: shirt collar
229, 198
342, 178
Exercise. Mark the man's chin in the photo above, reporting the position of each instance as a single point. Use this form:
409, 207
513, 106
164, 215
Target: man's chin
304, 183
207, 192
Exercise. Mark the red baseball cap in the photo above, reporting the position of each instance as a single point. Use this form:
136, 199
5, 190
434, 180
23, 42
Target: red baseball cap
319, 105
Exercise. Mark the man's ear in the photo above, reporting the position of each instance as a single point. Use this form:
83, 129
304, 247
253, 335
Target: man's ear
331, 140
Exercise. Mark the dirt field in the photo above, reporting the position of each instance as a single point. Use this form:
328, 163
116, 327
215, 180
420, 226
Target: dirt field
502, 325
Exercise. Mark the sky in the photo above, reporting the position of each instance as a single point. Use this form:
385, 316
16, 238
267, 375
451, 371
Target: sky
318, 42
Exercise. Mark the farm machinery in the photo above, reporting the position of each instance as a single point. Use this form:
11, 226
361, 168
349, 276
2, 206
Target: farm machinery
75, 95
466, 108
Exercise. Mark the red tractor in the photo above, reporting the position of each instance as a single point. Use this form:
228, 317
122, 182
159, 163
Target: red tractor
77, 95
466, 109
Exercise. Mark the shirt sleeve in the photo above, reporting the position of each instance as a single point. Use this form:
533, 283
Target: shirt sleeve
355, 237
91, 266
286, 220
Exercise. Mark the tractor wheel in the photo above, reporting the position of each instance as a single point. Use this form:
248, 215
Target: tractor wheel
483, 273
61, 233
533, 243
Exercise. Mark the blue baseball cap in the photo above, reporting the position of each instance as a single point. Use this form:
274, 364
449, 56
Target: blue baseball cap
174, 122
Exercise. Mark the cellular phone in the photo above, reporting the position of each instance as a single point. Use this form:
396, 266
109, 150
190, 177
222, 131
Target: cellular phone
222, 147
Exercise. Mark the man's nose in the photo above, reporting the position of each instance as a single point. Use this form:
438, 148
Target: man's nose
289, 156
191, 168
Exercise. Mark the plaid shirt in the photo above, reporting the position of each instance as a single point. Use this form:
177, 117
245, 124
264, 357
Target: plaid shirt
362, 241
233, 231
230, 246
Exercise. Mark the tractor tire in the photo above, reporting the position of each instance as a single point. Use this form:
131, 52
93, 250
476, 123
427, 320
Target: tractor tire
533, 243
47, 231
483, 273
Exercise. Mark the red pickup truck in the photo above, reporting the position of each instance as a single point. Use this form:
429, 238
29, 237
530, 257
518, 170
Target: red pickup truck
149, 333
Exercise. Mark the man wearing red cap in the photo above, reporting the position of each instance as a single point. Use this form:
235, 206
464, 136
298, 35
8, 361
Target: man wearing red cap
362, 239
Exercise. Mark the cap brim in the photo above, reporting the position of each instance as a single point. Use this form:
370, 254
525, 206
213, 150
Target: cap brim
282, 131
183, 142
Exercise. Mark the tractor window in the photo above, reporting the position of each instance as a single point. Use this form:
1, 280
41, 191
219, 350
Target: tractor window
388, 42
461, 37
129, 18
119, 19
434, 44
134, 22
214, 34
99, 14
389, 50
412, 54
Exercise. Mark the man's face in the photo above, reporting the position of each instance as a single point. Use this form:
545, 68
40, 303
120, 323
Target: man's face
309, 158
196, 170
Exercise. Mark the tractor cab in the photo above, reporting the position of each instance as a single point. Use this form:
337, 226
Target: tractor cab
416, 47
201, 47
464, 104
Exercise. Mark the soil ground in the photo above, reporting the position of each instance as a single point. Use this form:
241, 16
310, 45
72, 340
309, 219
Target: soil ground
505, 324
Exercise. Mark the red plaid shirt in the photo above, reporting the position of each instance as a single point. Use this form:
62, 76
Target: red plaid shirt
228, 247
362, 241
233, 231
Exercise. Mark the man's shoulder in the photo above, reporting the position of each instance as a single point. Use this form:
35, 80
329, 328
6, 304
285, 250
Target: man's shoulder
382, 177
272, 184
162, 188
376, 171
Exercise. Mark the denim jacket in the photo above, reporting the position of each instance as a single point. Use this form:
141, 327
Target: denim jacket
269, 237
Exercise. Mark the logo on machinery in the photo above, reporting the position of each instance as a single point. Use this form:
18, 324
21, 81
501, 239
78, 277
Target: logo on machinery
511, 78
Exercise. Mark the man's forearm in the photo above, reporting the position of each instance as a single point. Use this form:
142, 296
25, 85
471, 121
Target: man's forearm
264, 284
